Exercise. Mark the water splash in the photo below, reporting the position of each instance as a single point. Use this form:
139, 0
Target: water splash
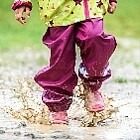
34, 111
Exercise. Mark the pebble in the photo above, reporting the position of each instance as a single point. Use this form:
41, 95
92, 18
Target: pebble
2, 131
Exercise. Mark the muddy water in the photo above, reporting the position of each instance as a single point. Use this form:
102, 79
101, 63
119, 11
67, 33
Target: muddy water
124, 125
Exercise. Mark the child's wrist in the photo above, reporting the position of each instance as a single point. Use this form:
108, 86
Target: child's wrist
112, 1
19, 3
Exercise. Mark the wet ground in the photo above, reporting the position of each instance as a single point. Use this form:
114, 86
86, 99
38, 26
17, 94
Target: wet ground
123, 87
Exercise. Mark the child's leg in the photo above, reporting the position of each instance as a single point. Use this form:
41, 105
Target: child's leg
58, 79
96, 49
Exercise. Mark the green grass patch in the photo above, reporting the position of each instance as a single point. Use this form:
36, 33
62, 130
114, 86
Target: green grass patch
125, 22
14, 35
122, 80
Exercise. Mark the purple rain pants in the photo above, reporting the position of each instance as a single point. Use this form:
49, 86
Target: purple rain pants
59, 78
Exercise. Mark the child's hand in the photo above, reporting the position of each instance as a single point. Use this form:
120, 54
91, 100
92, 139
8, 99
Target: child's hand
22, 14
112, 7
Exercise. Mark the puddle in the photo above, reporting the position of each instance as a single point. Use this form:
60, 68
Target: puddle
124, 125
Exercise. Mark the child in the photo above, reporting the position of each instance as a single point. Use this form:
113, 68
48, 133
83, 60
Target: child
72, 22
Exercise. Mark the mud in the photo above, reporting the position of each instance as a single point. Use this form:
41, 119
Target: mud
123, 88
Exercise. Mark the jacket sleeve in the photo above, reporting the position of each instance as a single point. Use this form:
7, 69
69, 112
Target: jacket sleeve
19, 3
112, 1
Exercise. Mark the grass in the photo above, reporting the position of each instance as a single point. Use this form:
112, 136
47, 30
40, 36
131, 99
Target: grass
122, 80
124, 23
15, 35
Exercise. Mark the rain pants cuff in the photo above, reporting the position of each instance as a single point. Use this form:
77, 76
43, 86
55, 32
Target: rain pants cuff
19, 3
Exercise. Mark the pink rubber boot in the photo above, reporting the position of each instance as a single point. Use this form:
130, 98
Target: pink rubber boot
59, 117
94, 101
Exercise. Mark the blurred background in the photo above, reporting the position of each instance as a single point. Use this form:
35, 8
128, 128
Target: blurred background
125, 23
22, 54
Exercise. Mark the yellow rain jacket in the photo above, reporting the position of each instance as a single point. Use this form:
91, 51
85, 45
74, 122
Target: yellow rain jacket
67, 12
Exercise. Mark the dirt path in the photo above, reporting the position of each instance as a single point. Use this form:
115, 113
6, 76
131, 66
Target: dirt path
124, 87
